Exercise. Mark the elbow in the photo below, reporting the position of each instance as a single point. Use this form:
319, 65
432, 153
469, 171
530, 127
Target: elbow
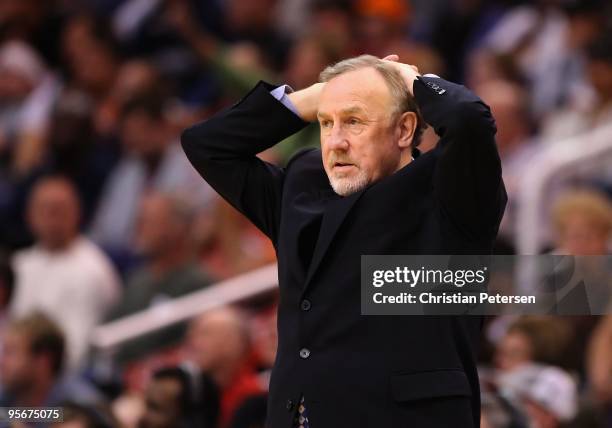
195, 143
476, 118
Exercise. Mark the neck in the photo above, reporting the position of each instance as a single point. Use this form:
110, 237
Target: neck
405, 158
57, 247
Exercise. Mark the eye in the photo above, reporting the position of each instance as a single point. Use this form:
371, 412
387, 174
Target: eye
326, 123
353, 121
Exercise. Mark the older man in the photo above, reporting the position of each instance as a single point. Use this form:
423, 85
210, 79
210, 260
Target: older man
367, 191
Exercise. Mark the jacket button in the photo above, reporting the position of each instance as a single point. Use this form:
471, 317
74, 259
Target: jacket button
306, 305
304, 353
289, 405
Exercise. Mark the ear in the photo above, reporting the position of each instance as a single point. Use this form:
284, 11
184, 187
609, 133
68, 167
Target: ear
406, 126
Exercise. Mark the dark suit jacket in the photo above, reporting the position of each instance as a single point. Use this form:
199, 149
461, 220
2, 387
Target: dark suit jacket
354, 370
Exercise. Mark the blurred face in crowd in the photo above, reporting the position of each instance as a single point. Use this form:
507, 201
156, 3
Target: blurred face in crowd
581, 235
244, 16
507, 104
361, 140
217, 339
17, 363
163, 409
91, 60
513, 351
142, 134
158, 226
306, 60
54, 213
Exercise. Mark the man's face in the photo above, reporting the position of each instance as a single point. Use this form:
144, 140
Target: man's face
513, 351
215, 341
162, 404
359, 139
54, 214
141, 134
15, 362
156, 227
582, 236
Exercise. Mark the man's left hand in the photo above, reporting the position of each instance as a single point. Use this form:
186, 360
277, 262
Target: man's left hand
408, 72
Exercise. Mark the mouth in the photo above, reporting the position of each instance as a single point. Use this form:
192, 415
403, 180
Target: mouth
342, 165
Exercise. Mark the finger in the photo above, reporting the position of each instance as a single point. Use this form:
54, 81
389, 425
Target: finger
392, 57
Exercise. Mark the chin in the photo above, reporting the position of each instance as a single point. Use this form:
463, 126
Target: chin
348, 186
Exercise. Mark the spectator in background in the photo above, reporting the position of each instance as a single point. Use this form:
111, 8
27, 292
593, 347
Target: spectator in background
533, 339
177, 398
152, 160
76, 151
218, 344
135, 78
252, 22
538, 36
168, 271
90, 56
528, 375
264, 338
28, 92
583, 117
333, 20
583, 223
37, 22
484, 66
381, 25
232, 245
509, 105
64, 274
32, 363
546, 395
599, 368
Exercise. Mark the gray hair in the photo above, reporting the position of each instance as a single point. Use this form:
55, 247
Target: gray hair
396, 84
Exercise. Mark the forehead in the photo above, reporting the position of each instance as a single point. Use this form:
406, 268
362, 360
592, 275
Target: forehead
364, 88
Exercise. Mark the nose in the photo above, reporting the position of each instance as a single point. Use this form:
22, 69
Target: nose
336, 139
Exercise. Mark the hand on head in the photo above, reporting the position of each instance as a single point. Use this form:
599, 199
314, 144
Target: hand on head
409, 72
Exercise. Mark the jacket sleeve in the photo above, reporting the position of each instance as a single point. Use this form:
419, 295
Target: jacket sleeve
467, 180
224, 149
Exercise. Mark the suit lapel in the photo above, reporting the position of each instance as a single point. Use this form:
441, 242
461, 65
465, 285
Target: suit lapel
335, 213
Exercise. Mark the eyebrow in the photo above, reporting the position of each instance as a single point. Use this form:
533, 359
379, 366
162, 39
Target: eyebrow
346, 111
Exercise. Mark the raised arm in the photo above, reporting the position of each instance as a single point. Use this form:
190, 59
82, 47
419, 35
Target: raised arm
223, 149
467, 180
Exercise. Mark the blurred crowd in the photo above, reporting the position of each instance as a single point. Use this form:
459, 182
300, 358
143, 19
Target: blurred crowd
102, 216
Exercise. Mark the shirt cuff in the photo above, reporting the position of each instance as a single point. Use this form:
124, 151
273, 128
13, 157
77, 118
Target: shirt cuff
280, 94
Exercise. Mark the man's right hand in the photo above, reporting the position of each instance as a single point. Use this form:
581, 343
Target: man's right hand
306, 101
